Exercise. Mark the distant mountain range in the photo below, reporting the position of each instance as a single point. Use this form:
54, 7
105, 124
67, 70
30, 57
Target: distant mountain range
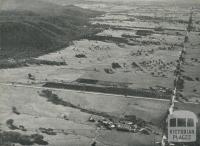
29, 28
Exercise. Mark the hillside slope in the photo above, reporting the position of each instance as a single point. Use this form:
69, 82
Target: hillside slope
31, 28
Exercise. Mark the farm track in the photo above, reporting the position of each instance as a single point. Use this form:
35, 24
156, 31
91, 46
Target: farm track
177, 88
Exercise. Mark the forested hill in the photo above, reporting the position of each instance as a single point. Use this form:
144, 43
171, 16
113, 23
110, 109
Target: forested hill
29, 28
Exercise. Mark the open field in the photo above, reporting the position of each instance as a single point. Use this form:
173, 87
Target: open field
33, 113
190, 74
129, 45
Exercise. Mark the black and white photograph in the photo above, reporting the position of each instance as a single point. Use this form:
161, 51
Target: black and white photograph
99, 72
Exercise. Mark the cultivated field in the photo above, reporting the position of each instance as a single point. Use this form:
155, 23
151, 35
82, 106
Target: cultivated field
130, 45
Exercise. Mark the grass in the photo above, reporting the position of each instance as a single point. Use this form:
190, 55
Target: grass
53, 98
